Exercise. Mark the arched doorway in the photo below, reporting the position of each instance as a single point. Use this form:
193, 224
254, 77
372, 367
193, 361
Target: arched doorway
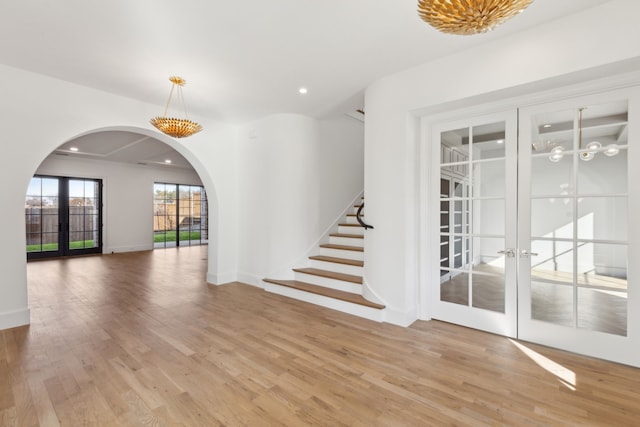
129, 161
125, 168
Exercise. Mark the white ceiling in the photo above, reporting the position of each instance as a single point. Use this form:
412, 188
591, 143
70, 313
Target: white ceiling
123, 147
241, 59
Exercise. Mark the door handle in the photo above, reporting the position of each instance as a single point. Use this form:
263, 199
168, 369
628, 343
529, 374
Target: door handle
510, 253
526, 254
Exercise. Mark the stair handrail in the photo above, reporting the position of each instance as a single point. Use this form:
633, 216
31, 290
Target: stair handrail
360, 221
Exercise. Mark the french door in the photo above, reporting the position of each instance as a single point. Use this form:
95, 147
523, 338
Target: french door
476, 171
577, 286
63, 216
534, 238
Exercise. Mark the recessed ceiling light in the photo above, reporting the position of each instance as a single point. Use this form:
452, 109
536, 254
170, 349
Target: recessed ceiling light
303, 91
546, 126
73, 148
500, 141
167, 161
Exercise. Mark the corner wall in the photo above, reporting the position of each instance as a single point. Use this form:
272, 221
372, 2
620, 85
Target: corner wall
297, 174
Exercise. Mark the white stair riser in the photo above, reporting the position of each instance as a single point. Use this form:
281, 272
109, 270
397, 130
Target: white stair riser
348, 241
352, 220
340, 253
326, 282
351, 230
336, 267
346, 307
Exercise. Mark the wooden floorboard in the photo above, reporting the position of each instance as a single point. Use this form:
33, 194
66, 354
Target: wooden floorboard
141, 340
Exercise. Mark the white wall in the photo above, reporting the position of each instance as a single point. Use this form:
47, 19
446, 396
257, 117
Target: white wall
127, 196
296, 176
341, 165
37, 114
589, 44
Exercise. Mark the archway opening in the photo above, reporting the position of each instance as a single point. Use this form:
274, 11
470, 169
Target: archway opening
128, 162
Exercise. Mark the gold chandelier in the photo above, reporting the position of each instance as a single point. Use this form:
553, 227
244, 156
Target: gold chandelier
177, 128
466, 17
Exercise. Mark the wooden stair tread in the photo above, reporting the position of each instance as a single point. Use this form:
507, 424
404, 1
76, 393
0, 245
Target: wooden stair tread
327, 292
350, 236
330, 274
336, 260
354, 215
342, 247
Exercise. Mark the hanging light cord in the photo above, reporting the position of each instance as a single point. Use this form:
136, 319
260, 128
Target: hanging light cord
180, 95
184, 106
166, 107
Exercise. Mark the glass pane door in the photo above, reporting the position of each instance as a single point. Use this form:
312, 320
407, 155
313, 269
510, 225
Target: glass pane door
192, 218
83, 214
165, 212
574, 226
63, 216
42, 216
180, 215
475, 162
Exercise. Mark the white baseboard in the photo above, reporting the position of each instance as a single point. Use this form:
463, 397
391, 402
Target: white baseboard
221, 279
251, 279
13, 319
401, 318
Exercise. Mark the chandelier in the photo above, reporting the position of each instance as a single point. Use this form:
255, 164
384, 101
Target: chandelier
177, 128
466, 17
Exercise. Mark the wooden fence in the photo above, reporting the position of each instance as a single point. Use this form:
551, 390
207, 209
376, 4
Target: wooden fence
43, 223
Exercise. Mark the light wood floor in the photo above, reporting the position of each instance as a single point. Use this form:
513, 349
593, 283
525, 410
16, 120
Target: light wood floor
141, 340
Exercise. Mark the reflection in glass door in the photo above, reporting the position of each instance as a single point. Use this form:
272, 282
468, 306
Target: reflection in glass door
63, 216
574, 228
476, 239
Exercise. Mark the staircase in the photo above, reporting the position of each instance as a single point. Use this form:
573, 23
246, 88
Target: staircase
333, 277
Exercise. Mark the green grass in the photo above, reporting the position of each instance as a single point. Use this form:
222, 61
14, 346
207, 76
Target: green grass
48, 247
162, 236
170, 236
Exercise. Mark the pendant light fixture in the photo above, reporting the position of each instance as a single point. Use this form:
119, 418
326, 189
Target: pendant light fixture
466, 17
177, 128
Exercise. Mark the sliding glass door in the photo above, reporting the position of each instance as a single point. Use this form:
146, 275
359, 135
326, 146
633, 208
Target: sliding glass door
63, 216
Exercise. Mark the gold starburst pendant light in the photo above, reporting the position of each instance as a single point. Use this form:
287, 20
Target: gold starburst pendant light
466, 17
177, 128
